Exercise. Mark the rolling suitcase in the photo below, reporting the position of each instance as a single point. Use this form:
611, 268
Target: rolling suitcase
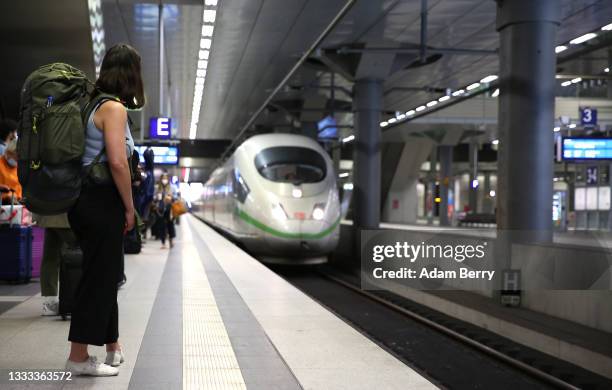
71, 267
15, 251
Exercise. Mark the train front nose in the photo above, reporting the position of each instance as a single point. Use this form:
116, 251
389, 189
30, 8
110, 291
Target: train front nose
302, 238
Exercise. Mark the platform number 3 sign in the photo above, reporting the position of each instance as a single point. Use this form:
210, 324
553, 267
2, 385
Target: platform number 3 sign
588, 116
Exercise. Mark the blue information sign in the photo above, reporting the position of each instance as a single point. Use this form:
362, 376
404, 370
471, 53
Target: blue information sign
164, 155
160, 128
588, 116
587, 148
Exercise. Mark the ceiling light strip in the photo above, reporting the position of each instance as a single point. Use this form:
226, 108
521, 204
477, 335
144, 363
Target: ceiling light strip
491, 78
96, 23
209, 17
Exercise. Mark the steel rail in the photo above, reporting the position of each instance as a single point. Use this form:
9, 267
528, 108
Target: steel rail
458, 336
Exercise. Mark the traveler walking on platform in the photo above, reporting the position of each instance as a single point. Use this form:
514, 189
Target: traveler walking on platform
104, 212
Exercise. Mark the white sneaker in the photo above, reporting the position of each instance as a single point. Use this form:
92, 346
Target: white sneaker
114, 358
50, 306
91, 367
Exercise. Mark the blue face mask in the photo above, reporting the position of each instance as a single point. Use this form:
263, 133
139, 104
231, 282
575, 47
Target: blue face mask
12, 162
2, 148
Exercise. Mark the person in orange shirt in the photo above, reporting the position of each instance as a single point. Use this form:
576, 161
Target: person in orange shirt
8, 159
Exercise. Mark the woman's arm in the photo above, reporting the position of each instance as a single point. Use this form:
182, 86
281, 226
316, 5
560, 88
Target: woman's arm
112, 117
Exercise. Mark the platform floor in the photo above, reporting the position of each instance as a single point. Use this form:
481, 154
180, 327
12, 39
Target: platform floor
205, 315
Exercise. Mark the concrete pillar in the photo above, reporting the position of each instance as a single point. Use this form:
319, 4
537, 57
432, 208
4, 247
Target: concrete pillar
487, 201
526, 112
445, 156
336, 154
367, 105
473, 191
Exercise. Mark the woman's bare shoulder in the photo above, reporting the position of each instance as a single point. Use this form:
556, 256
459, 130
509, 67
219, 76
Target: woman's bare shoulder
112, 109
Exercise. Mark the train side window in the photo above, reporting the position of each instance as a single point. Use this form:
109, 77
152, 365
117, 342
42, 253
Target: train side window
241, 189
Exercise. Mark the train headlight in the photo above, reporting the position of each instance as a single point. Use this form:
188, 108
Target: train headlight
278, 212
318, 213
296, 193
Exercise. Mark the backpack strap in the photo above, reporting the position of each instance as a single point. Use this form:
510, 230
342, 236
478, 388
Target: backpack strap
93, 104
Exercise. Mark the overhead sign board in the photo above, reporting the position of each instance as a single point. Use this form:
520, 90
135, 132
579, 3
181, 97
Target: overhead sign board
588, 116
160, 128
164, 155
583, 148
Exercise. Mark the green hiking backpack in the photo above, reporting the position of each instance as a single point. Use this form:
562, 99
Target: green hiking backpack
55, 106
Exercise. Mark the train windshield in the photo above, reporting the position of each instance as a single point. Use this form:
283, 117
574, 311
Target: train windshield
291, 164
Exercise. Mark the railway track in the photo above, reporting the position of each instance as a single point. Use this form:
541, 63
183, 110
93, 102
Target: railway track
451, 353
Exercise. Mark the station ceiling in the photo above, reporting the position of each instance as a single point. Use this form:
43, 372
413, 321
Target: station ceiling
256, 42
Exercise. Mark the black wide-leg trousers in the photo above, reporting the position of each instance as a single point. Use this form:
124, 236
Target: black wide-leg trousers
98, 220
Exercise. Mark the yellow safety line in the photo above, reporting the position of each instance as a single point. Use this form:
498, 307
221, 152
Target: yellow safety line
209, 361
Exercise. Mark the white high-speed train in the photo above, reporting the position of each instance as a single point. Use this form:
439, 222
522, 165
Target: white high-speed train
277, 195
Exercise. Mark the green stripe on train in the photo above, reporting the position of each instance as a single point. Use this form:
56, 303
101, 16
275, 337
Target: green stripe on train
262, 226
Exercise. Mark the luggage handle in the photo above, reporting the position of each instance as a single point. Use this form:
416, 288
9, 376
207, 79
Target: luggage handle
12, 214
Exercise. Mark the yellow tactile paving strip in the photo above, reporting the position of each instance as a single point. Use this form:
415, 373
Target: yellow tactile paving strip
209, 361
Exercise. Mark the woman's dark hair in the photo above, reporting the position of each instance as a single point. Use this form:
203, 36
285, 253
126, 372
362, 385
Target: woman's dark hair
120, 75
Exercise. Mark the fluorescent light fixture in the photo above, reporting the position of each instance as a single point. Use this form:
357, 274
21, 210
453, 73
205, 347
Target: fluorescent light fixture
556, 129
444, 98
384, 124
209, 15
208, 19
607, 27
347, 186
207, 30
458, 92
495, 93
420, 108
392, 120
187, 173
410, 113
489, 78
572, 126
560, 48
401, 116
582, 38
576, 80
348, 139
566, 83
495, 142
205, 54
472, 86
344, 174
432, 103
205, 43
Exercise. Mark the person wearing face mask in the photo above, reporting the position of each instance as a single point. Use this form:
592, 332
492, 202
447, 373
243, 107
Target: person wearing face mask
8, 129
8, 159
163, 186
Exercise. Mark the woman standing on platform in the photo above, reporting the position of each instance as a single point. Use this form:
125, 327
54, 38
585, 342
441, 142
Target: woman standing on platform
103, 213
